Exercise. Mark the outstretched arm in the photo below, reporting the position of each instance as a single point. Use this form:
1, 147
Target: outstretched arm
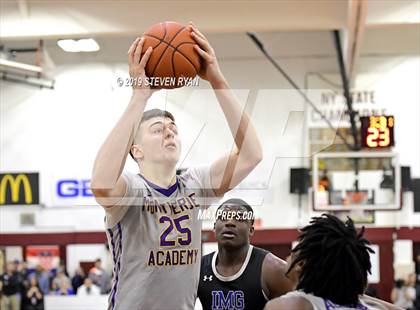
229, 170
107, 184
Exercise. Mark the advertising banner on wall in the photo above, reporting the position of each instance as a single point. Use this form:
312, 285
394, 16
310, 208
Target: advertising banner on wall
67, 189
19, 188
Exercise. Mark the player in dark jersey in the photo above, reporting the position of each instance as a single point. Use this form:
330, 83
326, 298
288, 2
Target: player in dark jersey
239, 275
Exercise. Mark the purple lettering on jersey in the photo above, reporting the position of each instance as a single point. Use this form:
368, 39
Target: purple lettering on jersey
215, 299
186, 239
166, 232
226, 302
239, 300
232, 300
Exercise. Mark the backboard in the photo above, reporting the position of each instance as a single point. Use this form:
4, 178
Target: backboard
356, 181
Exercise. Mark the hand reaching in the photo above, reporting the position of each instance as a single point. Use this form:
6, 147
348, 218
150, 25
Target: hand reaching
137, 65
210, 70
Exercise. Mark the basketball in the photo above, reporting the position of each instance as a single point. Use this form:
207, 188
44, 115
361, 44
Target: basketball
173, 54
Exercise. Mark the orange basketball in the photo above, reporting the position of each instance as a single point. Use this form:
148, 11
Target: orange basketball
173, 59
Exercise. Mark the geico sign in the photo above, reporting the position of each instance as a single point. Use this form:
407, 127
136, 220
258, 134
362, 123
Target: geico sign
19, 188
70, 188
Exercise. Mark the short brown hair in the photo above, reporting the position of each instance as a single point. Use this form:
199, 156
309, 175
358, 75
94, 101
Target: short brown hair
156, 113
149, 114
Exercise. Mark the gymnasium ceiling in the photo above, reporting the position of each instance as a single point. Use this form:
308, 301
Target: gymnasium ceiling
290, 28
68, 18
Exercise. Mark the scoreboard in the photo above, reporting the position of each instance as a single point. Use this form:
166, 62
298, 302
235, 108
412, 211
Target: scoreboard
377, 132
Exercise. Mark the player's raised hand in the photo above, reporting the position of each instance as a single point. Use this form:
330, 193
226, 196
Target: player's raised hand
137, 65
210, 70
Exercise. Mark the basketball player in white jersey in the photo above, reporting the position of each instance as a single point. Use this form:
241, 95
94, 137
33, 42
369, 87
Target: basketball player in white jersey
151, 217
330, 266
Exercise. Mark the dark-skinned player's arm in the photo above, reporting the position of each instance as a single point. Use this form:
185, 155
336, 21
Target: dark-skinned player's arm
229, 170
273, 277
108, 186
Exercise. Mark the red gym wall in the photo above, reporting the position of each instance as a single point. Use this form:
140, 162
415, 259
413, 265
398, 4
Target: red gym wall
278, 241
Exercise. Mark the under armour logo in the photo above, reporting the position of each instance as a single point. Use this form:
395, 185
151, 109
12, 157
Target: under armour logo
205, 278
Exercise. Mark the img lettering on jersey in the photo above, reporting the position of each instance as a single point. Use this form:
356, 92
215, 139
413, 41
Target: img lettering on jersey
228, 300
175, 237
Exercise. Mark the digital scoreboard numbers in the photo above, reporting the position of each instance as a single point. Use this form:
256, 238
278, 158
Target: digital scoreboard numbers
377, 131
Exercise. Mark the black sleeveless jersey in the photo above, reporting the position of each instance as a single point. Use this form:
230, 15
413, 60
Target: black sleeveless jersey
240, 291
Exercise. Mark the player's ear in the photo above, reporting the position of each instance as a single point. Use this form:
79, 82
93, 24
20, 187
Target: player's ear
251, 230
299, 266
137, 152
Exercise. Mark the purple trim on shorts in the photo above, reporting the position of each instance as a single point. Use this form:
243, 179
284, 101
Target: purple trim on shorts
117, 263
164, 191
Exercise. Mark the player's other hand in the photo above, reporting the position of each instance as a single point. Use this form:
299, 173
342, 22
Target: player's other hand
210, 70
137, 65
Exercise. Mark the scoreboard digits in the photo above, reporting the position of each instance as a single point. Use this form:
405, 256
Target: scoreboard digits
377, 131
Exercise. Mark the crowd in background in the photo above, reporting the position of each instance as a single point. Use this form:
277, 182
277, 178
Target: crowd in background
406, 292
24, 289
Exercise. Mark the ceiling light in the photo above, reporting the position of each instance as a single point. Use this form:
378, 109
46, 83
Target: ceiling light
76, 46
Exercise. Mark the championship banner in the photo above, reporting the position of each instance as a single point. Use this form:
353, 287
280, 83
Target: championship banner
19, 188
369, 97
46, 256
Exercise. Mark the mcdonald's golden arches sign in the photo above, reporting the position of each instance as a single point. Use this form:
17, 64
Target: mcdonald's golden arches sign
19, 188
